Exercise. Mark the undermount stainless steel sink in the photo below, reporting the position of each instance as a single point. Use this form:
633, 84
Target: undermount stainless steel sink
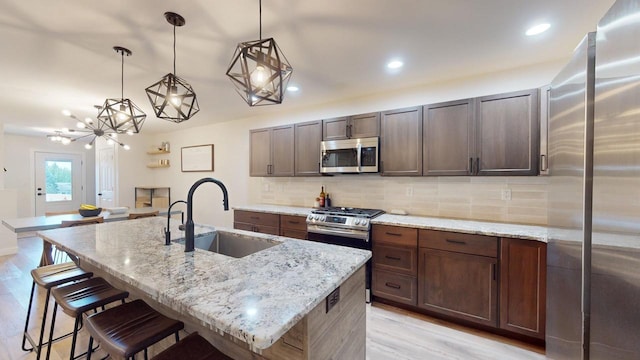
230, 244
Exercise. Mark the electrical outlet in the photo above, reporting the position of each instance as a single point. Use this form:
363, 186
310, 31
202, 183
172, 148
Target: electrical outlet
409, 191
506, 194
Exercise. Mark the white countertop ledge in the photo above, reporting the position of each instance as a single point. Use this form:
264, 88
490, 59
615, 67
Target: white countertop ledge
256, 299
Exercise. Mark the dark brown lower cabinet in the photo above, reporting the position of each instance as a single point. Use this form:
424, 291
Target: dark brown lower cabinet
523, 274
395, 263
460, 285
293, 226
396, 287
265, 223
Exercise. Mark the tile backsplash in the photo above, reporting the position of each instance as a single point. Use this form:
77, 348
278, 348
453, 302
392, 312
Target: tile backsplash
510, 199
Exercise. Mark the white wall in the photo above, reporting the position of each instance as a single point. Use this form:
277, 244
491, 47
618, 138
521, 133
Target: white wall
231, 149
8, 239
2, 166
19, 163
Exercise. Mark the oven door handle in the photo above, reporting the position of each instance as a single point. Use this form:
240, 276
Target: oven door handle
346, 233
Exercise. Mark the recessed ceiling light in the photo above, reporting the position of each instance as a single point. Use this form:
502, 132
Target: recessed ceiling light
66, 112
292, 88
538, 29
394, 64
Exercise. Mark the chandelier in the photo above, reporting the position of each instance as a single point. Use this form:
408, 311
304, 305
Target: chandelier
90, 129
59, 137
172, 98
260, 71
121, 115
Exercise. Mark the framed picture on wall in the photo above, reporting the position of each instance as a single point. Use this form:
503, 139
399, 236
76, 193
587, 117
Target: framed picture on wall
197, 158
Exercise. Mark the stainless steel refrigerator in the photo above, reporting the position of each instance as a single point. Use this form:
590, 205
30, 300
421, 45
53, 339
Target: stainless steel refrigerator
593, 254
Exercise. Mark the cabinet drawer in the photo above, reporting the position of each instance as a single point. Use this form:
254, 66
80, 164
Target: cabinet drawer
395, 235
257, 218
296, 234
396, 287
256, 228
293, 222
462, 243
396, 258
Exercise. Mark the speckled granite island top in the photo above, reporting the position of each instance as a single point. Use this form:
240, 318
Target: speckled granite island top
256, 298
527, 232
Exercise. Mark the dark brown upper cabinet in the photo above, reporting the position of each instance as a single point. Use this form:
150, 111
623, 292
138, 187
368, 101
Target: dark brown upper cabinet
490, 135
271, 151
401, 142
351, 127
307, 148
507, 134
449, 138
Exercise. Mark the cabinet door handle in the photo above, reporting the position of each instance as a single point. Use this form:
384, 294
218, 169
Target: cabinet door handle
392, 285
477, 165
543, 162
471, 166
392, 258
458, 242
493, 271
254, 217
293, 222
392, 234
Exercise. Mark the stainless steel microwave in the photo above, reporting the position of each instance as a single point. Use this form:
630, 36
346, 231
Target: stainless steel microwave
349, 156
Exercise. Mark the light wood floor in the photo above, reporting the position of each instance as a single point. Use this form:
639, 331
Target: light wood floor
391, 333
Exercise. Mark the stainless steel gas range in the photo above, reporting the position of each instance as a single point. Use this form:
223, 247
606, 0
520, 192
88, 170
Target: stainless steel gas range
345, 227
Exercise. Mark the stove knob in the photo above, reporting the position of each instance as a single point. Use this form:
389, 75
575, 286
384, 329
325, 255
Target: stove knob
322, 218
357, 222
364, 222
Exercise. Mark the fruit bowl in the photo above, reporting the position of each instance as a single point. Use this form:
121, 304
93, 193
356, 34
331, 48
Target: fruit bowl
89, 213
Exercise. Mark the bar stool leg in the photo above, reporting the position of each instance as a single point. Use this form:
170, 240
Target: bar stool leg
53, 324
89, 348
26, 323
38, 350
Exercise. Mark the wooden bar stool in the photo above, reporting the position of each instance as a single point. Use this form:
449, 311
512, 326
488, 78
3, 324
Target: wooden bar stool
48, 277
130, 328
48, 258
192, 347
76, 299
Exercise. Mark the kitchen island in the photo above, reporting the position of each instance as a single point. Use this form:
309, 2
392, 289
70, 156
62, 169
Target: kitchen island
276, 303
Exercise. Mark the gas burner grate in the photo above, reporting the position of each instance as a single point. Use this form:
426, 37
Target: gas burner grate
348, 211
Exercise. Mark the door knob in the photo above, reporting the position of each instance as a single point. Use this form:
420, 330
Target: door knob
99, 194
40, 194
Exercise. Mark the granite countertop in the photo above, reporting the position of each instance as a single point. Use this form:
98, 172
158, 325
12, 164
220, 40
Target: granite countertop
256, 298
527, 232
276, 209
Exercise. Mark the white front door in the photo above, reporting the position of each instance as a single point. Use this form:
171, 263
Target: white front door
58, 182
106, 178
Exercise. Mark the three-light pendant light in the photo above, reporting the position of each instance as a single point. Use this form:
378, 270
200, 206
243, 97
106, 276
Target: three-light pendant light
259, 71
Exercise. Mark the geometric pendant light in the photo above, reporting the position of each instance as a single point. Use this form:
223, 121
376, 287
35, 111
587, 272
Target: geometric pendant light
260, 71
172, 98
122, 115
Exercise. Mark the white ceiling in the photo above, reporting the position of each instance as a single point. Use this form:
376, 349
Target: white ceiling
58, 54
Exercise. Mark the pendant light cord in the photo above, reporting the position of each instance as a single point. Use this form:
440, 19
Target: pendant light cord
122, 75
260, 20
174, 50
